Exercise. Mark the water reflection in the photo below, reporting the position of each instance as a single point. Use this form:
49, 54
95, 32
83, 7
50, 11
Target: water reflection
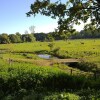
46, 56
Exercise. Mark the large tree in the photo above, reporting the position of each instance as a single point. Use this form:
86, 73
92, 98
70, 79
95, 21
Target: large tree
28, 38
15, 38
4, 39
68, 13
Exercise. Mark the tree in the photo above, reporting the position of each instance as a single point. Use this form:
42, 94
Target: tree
31, 28
15, 38
51, 45
65, 35
28, 38
4, 39
40, 36
50, 37
68, 13
55, 35
18, 37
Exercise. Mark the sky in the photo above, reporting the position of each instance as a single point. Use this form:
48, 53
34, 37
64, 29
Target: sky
13, 18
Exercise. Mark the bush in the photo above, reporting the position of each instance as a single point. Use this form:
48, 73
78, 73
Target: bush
85, 66
62, 96
25, 77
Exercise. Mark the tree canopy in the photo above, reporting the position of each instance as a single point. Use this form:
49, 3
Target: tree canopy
68, 13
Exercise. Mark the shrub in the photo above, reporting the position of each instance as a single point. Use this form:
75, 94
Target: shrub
85, 66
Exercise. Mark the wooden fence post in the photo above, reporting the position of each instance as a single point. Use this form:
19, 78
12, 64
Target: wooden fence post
10, 61
71, 71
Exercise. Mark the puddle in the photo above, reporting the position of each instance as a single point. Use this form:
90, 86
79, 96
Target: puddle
46, 56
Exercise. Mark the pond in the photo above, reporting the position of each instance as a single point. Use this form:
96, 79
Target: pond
46, 56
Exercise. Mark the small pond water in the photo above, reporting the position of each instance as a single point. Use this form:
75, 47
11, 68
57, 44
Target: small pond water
46, 56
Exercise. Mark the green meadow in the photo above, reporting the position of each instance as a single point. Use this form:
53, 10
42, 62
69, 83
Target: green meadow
88, 50
26, 76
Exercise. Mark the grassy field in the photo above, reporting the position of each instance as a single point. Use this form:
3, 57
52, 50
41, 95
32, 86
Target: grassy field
25, 76
88, 50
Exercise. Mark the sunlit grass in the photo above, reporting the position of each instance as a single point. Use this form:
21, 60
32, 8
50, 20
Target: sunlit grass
27, 71
88, 49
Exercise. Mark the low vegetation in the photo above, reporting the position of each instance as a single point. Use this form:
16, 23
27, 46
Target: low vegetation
25, 76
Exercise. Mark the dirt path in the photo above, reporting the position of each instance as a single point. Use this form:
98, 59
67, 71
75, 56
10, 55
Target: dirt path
44, 62
66, 60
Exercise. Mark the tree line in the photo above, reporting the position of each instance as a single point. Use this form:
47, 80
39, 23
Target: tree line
87, 32
51, 36
91, 32
16, 38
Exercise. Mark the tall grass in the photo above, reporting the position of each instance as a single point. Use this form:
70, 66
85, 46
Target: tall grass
28, 76
21, 76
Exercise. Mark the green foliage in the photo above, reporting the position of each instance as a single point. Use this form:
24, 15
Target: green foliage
62, 96
88, 32
85, 66
87, 50
23, 79
32, 95
55, 51
89, 94
75, 10
28, 38
4, 39
51, 45
50, 37
14, 38
41, 36
26, 76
